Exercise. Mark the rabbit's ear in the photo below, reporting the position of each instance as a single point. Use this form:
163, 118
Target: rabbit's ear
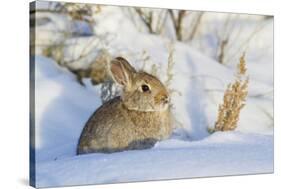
122, 71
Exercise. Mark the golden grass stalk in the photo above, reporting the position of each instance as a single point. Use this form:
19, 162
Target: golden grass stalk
234, 100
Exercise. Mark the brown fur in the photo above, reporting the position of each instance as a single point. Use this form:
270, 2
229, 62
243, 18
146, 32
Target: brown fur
134, 121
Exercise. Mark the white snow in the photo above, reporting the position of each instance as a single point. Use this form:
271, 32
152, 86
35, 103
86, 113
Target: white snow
63, 106
219, 155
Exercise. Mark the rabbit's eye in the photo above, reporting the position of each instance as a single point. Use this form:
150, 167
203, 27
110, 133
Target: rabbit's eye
145, 88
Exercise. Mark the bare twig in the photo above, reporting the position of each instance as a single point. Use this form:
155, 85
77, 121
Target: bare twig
146, 18
244, 43
221, 55
161, 22
196, 26
178, 22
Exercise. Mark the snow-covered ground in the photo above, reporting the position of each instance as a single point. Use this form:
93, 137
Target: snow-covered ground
62, 107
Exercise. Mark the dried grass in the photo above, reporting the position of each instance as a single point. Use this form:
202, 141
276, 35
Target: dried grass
234, 100
171, 64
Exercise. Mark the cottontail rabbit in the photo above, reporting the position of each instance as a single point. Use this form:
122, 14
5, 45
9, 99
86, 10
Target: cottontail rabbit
136, 120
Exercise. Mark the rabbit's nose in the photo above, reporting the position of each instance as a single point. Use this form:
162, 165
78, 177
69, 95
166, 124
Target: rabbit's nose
165, 99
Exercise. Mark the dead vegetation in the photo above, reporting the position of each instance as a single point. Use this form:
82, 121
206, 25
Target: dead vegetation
97, 71
177, 19
156, 22
147, 18
62, 50
170, 66
195, 26
234, 100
